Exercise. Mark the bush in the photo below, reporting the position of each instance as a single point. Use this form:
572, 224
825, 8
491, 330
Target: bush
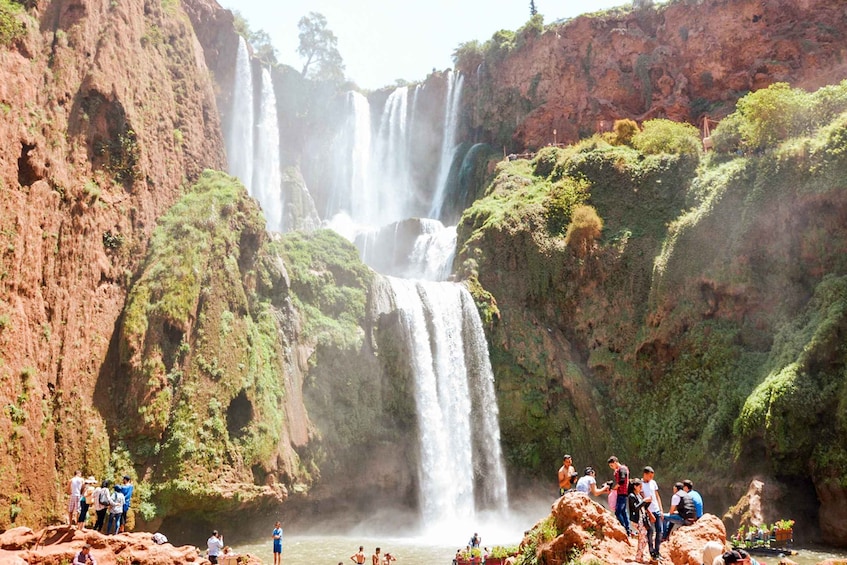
667, 136
585, 227
11, 28
624, 130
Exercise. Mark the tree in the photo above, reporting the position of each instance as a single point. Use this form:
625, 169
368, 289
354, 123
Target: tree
319, 46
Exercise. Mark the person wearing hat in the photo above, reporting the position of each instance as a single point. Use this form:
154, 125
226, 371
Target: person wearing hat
86, 500
567, 475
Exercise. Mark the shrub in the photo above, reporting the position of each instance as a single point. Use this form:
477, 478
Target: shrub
11, 28
624, 130
585, 227
667, 136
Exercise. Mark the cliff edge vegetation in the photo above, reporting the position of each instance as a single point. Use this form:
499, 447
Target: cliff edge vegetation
696, 325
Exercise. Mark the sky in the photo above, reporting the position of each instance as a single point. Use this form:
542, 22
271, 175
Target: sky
382, 41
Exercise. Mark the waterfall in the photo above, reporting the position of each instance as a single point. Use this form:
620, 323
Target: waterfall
454, 395
432, 255
239, 139
267, 175
448, 143
363, 200
387, 195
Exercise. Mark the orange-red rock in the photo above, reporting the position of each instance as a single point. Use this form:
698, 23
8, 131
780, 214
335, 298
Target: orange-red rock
58, 544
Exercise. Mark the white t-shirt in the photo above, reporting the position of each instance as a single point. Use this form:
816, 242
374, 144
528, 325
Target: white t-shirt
649, 489
215, 545
584, 484
76, 486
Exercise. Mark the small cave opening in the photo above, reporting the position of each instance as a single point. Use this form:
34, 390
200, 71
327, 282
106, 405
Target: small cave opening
239, 414
26, 172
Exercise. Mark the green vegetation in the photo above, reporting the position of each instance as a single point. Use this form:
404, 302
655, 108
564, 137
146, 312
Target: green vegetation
770, 116
201, 350
319, 46
11, 27
329, 286
544, 531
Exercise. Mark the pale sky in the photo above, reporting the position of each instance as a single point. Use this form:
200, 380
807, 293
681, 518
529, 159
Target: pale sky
382, 40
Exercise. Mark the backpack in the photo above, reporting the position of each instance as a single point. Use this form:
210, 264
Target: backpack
103, 497
686, 508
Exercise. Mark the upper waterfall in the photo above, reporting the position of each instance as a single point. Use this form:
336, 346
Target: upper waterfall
239, 138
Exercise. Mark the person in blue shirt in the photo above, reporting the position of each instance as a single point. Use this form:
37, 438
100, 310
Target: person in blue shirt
126, 488
695, 496
277, 537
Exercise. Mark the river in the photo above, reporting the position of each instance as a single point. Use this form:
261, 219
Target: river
331, 550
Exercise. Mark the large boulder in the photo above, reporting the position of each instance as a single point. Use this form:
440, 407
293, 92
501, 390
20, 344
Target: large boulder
685, 546
59, 544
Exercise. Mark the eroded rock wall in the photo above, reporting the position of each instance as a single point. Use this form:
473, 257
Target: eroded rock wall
678, 60
107, 109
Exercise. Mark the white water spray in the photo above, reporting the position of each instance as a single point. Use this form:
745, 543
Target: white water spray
239, 139
267, 175
448, 143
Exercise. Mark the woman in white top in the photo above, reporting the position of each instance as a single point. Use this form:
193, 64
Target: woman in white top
588, 484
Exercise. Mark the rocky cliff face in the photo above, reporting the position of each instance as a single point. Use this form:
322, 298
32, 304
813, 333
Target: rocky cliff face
107, 109
680, 60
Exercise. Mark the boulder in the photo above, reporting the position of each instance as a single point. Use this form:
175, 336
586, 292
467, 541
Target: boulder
685, 546
57, 544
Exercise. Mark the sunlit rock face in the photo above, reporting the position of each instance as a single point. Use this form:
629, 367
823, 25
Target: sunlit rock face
681, 61
100, 129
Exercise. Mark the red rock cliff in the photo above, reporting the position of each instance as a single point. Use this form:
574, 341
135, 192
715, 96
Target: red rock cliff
106, 109
680, 60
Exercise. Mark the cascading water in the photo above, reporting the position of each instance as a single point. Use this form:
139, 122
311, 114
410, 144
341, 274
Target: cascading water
448, 143
239, 139
267, 174
459, 438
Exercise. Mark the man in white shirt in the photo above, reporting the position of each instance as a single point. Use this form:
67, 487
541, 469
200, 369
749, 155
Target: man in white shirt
215, 545
650, 489
75, 493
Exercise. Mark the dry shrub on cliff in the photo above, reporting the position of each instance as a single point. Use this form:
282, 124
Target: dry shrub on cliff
584, 229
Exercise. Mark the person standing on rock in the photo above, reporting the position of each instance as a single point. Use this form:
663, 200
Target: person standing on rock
621, 486
86, 501
127, 489
638, 516
116, 510
215, 544
277, 537
650, 489
74, 494
567, 475
101, 505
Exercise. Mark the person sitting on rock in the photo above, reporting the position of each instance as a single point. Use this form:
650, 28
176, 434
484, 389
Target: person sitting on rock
682, 510
84, 557
695, 496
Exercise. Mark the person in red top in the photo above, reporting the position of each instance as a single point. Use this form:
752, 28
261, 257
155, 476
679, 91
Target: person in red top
622, 486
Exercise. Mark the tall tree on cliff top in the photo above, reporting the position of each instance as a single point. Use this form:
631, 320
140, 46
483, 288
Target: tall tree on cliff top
319, 46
